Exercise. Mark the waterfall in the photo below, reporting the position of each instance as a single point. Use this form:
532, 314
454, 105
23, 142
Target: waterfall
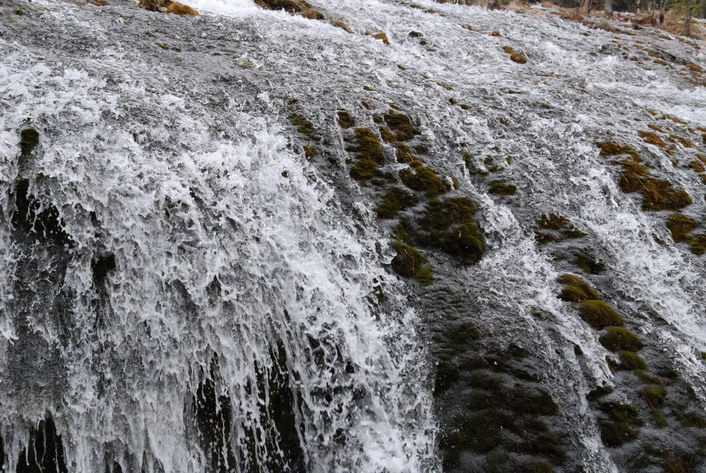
364, 237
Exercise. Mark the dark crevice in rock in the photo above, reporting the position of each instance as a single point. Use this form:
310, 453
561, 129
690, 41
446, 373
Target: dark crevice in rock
45, 452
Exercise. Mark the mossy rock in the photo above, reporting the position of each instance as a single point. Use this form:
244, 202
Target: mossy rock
651, 138
622, 424
409, 262
552, 228
394, 200
502, 188
345, 119
631, 361
425, 180
620, 338
598, 314
478, 432
29, 138
448, 225
401, 125
576, 289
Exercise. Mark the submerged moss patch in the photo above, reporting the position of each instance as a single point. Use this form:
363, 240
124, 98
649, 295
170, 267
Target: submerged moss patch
448, 225
410, 263
401, 125
621, 425
553, 228
657, 194
620, 338
425, 180
598, 314
502, 188
345, 119
631, 361
369, 154
576, 289
394, 200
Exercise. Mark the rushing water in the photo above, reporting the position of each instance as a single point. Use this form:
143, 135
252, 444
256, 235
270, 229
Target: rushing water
183, 290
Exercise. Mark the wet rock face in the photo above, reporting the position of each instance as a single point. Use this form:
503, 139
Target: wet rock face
218, 230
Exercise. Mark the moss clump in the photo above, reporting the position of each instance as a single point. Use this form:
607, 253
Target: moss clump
410, 263
382, 36
552, 228
29, 138
654, 394
502, 188
291, 6
401, 125
651, 138
518, 57
657, 194
425, 180
621, 424
680, 226
611, 148
404, 154
303, 125
620, 338
448, 225
545, 444
576, 289
698, 245
599, 315
394, 200
309, 151
588, 264
631, 361
369, 154
345, 119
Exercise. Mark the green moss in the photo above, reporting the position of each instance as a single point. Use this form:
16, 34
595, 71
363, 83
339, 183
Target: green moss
611, 148
394, 200
404, 154
369, 154
576, 289
387, 135
621, 424
654, 394
478, 432
502, 188
588, 264
698, 244
29, 137
530, 401
680, 226
657, 194
552, 228
345, 119
424, 179
448, 225
647, 378
620, 338
598, 314
401, 125
309, 151
598, 393
631, 361
545, 444
303, 125
409, 262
